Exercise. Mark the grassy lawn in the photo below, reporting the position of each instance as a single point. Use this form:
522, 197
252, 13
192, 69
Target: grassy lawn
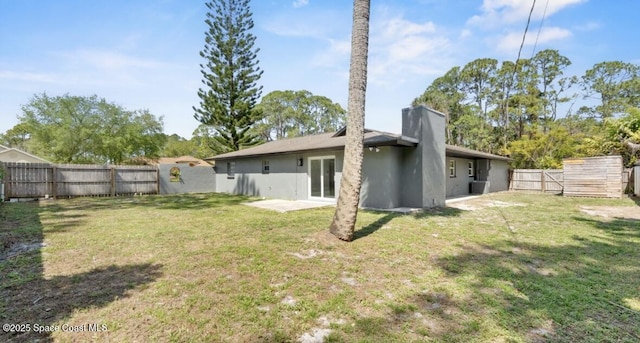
501, 268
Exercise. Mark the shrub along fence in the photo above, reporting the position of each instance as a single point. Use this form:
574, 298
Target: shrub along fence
35, 180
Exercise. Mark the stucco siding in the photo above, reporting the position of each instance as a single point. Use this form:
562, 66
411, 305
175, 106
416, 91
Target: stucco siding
285, 179
498, 176
196, 179
458, 185
381, 178
411, 177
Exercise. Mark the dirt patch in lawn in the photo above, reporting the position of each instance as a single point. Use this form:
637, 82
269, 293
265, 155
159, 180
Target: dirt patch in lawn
620, 212
480, 203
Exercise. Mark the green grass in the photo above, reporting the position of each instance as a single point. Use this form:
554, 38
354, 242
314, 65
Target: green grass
200, 268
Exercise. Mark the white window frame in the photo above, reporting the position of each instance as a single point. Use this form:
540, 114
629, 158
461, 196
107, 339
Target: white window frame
321, 158
265, 166
452, 168
231, 170
472, 171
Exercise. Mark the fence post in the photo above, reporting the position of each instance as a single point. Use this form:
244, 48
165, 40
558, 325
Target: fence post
158, 179
7, 179
543, 181
113, 181
54, 190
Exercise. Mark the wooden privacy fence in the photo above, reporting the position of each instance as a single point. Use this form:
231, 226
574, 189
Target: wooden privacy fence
30, 180
601, 177
537, 180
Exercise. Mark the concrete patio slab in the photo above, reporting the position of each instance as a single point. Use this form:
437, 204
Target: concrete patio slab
283, 206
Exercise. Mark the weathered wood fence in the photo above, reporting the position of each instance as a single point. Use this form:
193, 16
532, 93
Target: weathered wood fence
33, 180
598, 177
601, 177
537, 180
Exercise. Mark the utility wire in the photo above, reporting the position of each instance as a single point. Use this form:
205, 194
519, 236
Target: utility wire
544, 14
526, 28
515, 68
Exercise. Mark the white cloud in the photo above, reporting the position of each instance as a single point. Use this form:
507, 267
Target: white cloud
512, 41
337, 52
401, 49
27, 76
496, 13
300, 3
465, 34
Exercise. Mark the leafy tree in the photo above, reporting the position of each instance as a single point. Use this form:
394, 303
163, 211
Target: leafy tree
74, 129
176, 146
623, 135
476, 77
344, 219
616, 84
552, 85
16, 137
298, 113
229, 75
543, 151
204, 141
445, 95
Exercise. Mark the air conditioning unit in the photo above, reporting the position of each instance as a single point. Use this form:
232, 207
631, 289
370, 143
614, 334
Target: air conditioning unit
480, 187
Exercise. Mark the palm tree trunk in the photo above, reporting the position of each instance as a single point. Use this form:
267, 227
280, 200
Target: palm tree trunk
344, 220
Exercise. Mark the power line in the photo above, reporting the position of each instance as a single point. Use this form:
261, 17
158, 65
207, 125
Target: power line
540, 28
526, 28
515, 68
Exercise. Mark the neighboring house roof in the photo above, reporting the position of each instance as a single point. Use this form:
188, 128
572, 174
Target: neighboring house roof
190, 160
17, 155
337, 140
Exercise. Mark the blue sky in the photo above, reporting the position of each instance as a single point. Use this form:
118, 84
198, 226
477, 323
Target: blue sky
144, 54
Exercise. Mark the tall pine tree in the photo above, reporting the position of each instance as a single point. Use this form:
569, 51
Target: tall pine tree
230, 75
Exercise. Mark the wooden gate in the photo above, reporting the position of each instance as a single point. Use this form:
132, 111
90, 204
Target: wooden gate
537, 180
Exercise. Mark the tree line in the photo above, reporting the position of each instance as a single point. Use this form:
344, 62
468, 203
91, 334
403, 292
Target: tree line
535, 113
89, 129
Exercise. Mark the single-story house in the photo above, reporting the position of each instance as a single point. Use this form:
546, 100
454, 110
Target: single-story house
16, 155
413, 169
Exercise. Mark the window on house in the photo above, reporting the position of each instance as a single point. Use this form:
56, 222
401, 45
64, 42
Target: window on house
471, 170
452, 168
231, 170
265, 167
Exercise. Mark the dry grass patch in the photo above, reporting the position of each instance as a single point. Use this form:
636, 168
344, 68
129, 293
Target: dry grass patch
204, 268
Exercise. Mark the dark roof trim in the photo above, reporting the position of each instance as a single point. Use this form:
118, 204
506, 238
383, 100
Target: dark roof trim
456, 151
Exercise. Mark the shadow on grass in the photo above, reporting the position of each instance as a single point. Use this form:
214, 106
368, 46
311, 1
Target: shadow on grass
375, 226
388, 216
626, 227
26, 296
563, 293
438, 212
191, 201
515, 291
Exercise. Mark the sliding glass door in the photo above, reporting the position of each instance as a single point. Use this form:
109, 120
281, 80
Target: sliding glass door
322, 181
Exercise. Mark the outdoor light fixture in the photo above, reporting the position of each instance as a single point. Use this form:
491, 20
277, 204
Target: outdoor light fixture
300, 162
372, 148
